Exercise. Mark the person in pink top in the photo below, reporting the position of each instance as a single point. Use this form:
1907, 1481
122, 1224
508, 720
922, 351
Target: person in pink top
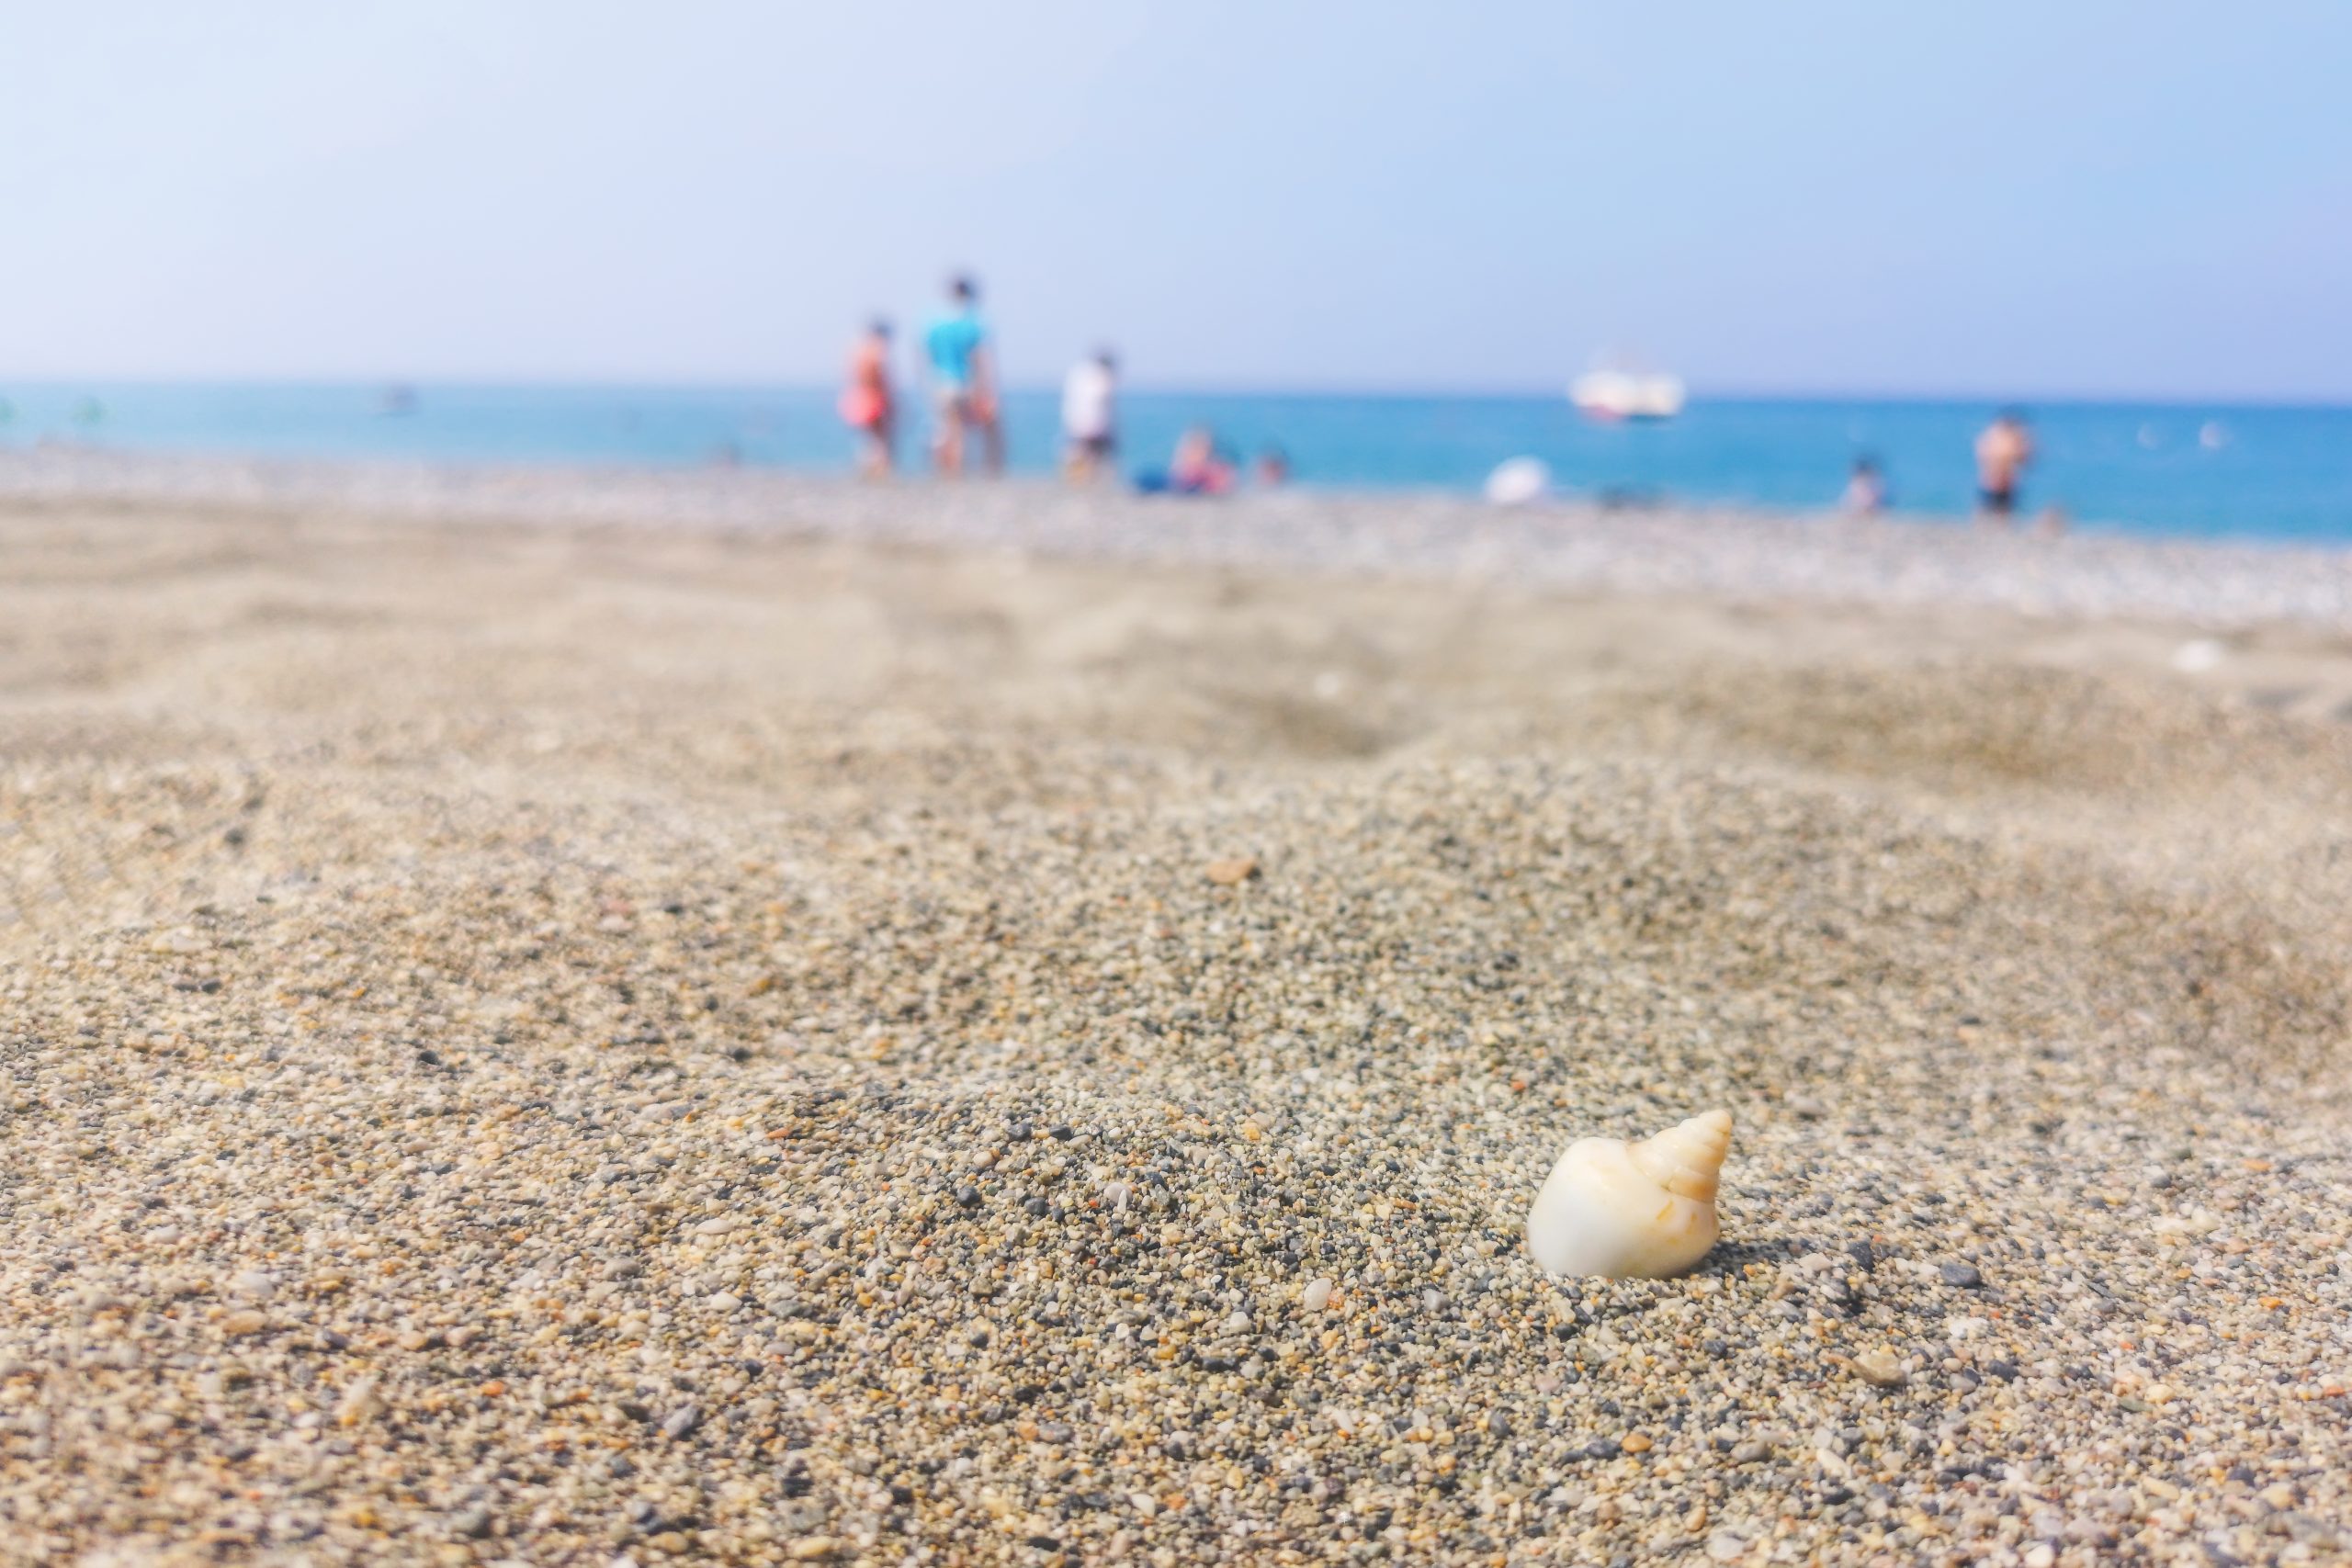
867, 405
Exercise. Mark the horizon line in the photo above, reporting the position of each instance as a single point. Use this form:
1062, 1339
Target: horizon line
1699, 392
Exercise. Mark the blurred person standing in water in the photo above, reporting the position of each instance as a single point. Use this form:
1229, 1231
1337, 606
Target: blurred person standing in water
1090, 416
869, 405
2003, 452
963, 375
1865, 489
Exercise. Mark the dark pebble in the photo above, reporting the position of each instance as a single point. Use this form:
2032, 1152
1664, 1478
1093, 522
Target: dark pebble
1963, 1276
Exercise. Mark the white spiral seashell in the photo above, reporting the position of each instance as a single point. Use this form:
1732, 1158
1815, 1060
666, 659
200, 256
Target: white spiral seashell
1638, 1211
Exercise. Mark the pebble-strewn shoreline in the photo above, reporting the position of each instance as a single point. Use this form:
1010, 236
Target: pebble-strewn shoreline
1740, 554
592, 1047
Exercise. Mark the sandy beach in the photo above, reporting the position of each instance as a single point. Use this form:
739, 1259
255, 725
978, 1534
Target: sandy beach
565, 1019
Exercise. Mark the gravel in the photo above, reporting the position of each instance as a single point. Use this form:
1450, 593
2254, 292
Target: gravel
612, 1109
1745, 554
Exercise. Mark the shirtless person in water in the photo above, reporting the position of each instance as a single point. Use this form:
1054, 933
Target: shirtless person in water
2002, 454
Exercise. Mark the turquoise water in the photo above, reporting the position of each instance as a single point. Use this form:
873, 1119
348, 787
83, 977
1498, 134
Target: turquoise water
2276, 472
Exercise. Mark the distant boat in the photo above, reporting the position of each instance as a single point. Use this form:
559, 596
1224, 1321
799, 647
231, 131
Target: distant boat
1627, 394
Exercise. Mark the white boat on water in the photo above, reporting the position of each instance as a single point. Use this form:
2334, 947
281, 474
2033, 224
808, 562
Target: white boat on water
1627, 394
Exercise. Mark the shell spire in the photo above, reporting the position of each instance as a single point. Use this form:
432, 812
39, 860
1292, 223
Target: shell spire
1685, 1159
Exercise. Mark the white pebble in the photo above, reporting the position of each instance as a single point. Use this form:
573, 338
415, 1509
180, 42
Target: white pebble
1318, 1295
2197, 657
358, 1404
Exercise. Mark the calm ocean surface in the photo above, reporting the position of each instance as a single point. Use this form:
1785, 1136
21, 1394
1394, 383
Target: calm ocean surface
2264, 472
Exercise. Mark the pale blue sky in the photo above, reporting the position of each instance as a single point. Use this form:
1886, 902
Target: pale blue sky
2000, 199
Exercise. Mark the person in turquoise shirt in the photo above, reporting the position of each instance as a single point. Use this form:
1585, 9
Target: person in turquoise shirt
962, 381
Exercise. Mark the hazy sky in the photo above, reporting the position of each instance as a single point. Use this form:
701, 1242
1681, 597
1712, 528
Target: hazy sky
2032, 198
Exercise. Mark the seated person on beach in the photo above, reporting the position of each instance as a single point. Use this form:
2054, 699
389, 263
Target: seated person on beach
963, 381
1198, 467
1274, 468
2002, 454
1865, 490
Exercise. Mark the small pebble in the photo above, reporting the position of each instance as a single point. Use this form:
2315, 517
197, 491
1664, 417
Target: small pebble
359, 1404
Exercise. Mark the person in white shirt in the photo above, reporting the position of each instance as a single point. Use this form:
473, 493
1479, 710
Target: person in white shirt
1090, 416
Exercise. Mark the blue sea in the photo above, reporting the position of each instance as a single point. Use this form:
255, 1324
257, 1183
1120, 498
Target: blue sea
2280, 472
